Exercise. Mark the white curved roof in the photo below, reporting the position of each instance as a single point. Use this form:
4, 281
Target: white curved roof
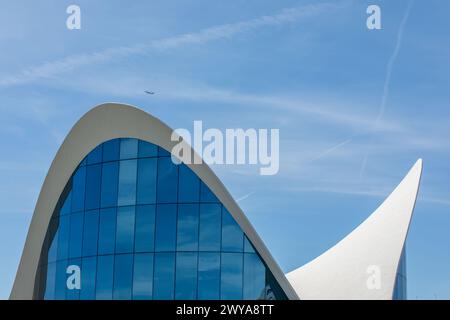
102, 123
364, 264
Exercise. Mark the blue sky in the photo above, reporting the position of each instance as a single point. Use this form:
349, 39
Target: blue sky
310, 68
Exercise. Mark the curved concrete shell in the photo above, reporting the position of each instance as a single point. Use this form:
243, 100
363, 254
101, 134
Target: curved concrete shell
103, 123
364, 264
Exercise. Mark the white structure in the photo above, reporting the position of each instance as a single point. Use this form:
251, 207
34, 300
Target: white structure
364, 264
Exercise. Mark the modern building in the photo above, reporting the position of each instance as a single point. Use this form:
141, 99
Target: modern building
117, 219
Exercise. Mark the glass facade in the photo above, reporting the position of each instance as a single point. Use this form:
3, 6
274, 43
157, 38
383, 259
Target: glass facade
138, 226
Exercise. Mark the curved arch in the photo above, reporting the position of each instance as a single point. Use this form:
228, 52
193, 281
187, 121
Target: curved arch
373, 249
105, 122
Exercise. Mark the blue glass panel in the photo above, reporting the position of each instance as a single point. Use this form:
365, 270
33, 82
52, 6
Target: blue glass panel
90, 233
206, 194
61, 278
110, 179
145, 229
125, 229
128, 148
163, 152
186, 276
52, 255
50, 282
123, 276
210, 227
78, 188
208, 276
254, 277
187, 237
73, 293
88, 274
164, 276
127, 183
147, 149
189, 186
143, 276
231, 276
67, 206
248, 246
95, 156
63, 237
107, 231
111, 150
232, 235
146, 188
104, 280
167, 181
166, 224
76, 235
93, 183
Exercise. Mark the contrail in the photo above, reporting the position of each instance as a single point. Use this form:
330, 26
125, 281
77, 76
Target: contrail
324, 153
244, 197
387, 82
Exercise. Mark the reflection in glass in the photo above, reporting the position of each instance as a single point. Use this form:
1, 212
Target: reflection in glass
254, 277
208, 275
145, 229
123, 276
125, 229
127, 183
76, 235
186, 276
88, 273
167, 181
107, 231
146, 188
90, 233
143, 276
187, 237
166, 225
78, 188
110, 178
164, 276
232, 235
189, 185
210, 227
93, 182
128, 148
104, 280
231, 277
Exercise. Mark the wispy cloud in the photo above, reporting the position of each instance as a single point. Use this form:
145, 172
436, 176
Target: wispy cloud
51, 69
387, 80
244, 197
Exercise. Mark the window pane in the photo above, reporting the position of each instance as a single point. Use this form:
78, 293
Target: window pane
143, 276
107, 231
76, 235
254, 277
146, 190
88, 273
128, 148
145, 228
208, 276
50, 282
93, 183
187, 238
127, 182
52, 255
61, 278
186, 276
166, 221
248, 246
63, 237
90, 233
189, 188
164, 277
167, 181
147, 149
72, 293
123, 276
110, 182
163, 152
67, 206
95, 156
232, 235
104, 281
125, 229
78, 188
206, 194
210, 227
111, 150
231, 277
